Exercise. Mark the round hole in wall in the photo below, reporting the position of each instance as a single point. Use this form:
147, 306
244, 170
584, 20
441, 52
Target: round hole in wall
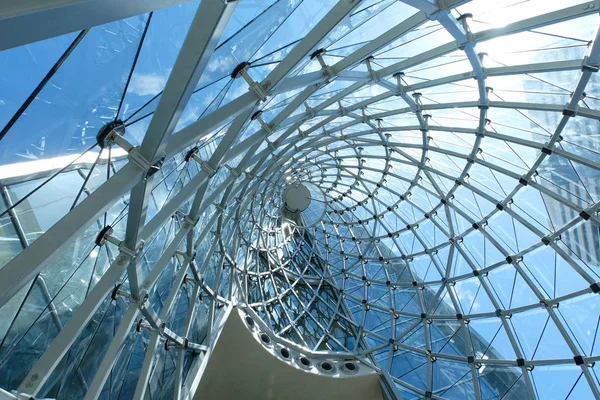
285, 353
249, 321
265, 338
326, 366
305, 361
350, 367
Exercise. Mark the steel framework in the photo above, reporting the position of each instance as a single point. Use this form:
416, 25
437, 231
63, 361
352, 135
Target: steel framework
440, 213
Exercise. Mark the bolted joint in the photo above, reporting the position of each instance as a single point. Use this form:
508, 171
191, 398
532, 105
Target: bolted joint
157, 166
183, 254
136, 157
105, 235
400, 88
206, 167
425, 127
399, 76
151, 318
142, 298
195, 348
113, 132
585, 215
372, 73
482, 57
131, 253
464, 20
417, 97
365, 117
237, 71
586, 66
309, 111
257, 116
343, 111
233, 171
190, 154
141, 325
188, 222
318, 55
379, 124
272, 146
119, 291
259, 89
484, 105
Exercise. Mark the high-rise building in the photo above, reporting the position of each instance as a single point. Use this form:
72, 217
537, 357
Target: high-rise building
269, 199
578, 184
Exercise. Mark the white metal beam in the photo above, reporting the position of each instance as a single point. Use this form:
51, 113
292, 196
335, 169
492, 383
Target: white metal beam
112, 353
201, 40
24, 267
40, 372
240, 109
28, 21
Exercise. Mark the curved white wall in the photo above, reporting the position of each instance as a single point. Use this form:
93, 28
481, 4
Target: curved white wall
241, 368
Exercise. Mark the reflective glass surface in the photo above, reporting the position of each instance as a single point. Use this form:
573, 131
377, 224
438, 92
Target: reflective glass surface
451, 156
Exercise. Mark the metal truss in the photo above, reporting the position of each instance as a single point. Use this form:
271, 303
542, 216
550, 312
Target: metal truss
414, 214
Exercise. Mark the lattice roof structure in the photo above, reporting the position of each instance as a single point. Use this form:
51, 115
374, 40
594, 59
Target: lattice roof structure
406, 186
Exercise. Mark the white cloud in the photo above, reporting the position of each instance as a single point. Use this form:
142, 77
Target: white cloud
147, 84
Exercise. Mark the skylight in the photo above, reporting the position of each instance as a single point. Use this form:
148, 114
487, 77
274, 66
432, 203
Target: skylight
450, 150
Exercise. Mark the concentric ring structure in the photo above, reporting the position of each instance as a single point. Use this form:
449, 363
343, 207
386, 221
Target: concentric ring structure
450, 148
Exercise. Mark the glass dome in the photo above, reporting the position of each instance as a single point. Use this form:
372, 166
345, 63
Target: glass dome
412, 185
